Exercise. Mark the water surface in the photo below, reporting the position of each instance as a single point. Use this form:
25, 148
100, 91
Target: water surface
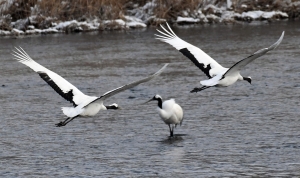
239, 131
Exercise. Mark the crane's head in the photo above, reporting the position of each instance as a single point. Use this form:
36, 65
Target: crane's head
113, 106
156, 97
248, 79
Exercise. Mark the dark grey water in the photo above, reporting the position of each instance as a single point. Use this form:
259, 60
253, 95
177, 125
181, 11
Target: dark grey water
239, 131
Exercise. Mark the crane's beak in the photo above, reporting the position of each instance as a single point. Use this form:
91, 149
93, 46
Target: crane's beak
148, 101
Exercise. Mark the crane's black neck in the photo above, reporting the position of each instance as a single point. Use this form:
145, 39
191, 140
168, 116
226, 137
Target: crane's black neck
159, 102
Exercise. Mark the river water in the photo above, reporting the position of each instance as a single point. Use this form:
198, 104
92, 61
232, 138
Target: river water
240, 131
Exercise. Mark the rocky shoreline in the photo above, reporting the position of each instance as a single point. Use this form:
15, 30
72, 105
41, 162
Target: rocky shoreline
137, 15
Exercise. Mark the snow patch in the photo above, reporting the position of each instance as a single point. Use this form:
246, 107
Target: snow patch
187, 20
17, 31
254, 15
268, 15
213, 18
133, 22
65, 24
4, 33
244, 6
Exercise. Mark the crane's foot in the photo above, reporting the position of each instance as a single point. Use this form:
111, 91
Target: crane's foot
195, 90
60, 124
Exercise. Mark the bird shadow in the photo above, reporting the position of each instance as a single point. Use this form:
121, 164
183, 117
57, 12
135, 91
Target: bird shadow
175, 139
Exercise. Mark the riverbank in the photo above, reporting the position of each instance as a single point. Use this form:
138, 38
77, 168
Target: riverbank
42, 17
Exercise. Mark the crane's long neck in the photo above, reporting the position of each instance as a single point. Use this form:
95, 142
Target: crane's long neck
159, 103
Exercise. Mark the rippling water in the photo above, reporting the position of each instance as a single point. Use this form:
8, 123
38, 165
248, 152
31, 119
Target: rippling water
239, 131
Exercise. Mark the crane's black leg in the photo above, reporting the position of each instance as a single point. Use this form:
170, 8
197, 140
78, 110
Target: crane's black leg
63, 123
171, 131
199, 89
70, 120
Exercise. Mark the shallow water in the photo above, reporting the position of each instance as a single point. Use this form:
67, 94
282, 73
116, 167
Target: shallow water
239, 131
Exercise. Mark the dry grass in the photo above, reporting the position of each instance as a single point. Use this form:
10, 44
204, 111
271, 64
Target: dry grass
20, 9
170, 9
264, 5
76, 9
5, 23
82, 10
103, 9
68, 9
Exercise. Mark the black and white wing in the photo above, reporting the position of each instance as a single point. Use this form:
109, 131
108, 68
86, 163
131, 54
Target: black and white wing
203, 61
133, 84
239, 65
59, 84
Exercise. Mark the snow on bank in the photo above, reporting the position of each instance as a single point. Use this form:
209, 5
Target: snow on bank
254, 15
20, 28
187, 19
230, 16
137, 17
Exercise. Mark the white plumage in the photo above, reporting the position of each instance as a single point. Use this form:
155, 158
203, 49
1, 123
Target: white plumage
83, 105
217, 74
169, 111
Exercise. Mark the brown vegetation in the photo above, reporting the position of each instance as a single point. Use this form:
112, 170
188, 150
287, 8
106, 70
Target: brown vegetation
68, 9
76, 9
170, 9
46, 12
114, 9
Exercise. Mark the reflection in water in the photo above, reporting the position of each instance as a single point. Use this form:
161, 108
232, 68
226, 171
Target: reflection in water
241, 131
170, 140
